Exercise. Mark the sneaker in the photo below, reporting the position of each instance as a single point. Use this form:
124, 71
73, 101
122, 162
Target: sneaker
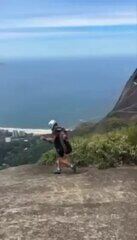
74, 168
57, 171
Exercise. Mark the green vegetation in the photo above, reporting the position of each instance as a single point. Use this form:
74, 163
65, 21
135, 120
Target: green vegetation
102, 150
84, 128
20, 152
106, 125
48, 158
132, 135
110, 143
110, 124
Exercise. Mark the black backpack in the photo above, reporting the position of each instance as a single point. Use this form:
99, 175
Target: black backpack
68, 147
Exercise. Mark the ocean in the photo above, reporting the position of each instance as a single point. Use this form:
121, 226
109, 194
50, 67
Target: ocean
69, 90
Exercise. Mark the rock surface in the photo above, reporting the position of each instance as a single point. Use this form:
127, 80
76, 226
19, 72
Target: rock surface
126, 106
93, 204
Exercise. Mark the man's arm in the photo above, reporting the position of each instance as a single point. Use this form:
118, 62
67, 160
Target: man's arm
49, 140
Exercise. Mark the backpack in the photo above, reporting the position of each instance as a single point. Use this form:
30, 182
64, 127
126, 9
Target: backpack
68, 147
66, 144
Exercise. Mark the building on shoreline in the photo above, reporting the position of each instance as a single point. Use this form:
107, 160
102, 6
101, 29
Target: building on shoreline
35, 132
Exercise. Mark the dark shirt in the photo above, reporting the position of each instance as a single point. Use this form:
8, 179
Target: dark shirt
59, 136
60, 140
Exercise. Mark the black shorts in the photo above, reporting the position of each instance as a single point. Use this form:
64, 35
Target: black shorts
61, 151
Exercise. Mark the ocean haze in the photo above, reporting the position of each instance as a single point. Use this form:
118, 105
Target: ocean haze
34, 91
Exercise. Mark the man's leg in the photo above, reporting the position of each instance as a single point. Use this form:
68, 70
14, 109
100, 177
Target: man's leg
66, 162
63, 160
58, 164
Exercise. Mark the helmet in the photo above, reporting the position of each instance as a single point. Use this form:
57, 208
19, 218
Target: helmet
52, 123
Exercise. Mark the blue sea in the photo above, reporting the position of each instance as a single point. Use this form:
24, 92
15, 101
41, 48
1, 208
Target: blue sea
70, 90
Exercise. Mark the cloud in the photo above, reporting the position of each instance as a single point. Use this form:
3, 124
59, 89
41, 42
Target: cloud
124, 18
64, 26
69, 33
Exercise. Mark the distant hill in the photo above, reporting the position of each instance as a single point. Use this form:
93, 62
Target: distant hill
124, 112
126, 107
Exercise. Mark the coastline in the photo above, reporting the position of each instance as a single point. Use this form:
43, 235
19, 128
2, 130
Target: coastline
27, 130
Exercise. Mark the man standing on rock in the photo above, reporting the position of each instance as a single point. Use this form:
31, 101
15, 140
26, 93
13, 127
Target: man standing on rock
62, 146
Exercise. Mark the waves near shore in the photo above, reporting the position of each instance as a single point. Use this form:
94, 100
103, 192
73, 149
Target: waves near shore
28, 130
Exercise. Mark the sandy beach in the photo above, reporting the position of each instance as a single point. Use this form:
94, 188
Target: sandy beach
28, 130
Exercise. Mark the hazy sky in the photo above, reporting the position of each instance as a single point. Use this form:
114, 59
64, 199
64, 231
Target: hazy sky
67, 28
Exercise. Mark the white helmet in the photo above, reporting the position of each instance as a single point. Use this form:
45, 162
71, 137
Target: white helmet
52, 124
